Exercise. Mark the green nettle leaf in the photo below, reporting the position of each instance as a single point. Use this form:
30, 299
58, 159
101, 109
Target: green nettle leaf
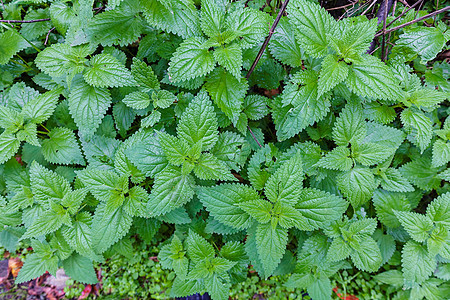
62, 147
212, 18
217, 288
248, 25
88, 105
367, 256
171, 190
151, 119
286, 184
109, 226
336, 159
176, 16
222, 202
144, 76
320, 288
319, 207
425, 41
163, 99
11, 42
380, 113
417, 225
392, 180
46, 223
439, 210
79, 235
80, 269
209, 167
314, 23
357, 185
122, 24
307, 106
386, 203
100, 151
441, 153
283, 45
42, 107
198, 248
371, 78
419, 126
35, 266
106, 71
199, 123
421, 173
148, 155
369, 154
227, 92
426, 97
191, 60
271, 244
9, 145
60, 59
260, 210
47, 185
355, 39
230, 57
105, 185
9, 118
62, 15
176, 149
350, 127
333, 72
418, 264
137, 100
255, 107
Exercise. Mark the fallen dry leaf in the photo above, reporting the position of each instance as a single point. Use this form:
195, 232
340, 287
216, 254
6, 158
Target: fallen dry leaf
14, 265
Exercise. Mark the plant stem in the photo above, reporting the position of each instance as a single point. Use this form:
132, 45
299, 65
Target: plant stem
404, 12
266, 42
416, 20
24, 21
383, 43
254, 137
261, 51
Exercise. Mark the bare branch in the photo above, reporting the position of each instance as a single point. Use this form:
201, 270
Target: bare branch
254, 137
416, 20
266, 42
24, 21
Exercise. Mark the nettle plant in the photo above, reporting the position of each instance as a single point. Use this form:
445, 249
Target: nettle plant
118, 120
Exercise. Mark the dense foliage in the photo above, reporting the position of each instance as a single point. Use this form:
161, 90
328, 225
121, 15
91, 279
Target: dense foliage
137, 119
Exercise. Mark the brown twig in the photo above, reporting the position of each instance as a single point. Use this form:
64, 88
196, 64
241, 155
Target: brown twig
373, 51
24, 21
266, 42
437, 5
261, 51
404, 3
48, 34
404, 12
371, 4
416, 20
343, 6
254, 137
383, 42
420, 7
394, 8
381, 16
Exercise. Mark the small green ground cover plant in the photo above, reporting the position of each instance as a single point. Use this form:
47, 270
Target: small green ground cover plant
152, 118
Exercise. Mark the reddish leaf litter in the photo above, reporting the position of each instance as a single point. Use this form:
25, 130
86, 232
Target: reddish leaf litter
341, 296
46, 287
